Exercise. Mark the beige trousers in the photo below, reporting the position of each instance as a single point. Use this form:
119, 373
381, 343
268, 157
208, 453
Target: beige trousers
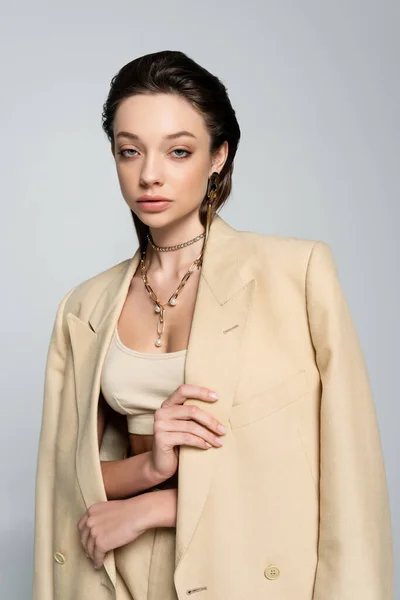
151, 574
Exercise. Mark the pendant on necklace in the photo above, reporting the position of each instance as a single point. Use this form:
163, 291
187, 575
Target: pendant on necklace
158, 342
172, 301
157, 308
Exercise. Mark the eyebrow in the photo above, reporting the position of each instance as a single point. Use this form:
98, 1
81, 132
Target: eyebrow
171, 136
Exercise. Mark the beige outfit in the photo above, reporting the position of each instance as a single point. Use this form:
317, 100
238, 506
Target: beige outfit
135, 384
295, 503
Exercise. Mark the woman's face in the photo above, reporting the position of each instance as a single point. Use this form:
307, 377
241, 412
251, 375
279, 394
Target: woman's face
153, 156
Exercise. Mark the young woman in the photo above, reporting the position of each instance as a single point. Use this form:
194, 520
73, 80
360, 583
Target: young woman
208, 427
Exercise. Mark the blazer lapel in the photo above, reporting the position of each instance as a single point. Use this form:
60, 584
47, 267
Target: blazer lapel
90, 342
213, 359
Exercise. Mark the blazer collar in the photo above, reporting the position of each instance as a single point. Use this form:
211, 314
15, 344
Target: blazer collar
223, 270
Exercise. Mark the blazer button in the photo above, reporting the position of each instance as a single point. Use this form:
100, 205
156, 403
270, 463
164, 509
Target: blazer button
59, 558
272, 572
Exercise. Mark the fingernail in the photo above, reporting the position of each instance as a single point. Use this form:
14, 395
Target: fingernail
213, 395
219, 441
221, 428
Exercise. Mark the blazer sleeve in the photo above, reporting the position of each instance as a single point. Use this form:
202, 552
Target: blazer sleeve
355, 552
43, 534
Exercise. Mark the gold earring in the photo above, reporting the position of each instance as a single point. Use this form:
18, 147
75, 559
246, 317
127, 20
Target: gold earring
212, 187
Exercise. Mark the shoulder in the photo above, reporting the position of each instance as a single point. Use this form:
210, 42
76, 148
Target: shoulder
85, 295
283, 253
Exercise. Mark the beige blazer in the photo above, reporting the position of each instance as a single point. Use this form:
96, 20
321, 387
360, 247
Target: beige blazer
295, 504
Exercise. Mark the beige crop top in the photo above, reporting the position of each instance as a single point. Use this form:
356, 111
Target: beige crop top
137, 383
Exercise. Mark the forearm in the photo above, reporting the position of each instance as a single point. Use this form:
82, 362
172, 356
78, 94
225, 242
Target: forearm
159, 508
128, 477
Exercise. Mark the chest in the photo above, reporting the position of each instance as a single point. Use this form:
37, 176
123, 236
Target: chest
138, 321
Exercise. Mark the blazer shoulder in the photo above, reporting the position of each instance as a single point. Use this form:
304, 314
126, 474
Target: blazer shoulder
279, 251
86, 294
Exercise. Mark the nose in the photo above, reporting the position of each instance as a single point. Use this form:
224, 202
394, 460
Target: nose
152, 171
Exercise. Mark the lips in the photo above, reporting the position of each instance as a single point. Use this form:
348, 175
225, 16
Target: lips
153, 204
149, 198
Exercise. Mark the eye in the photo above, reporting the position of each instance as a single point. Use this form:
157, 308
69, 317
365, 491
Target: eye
126, 151
187, 153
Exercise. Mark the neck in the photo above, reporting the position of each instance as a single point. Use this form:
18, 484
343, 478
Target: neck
174, 262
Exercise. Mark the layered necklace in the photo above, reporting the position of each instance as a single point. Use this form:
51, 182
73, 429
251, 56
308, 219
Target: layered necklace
159, 307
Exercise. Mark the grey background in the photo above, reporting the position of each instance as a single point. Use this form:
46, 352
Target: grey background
316, 90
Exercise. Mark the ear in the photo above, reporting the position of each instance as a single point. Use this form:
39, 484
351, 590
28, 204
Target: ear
219, 158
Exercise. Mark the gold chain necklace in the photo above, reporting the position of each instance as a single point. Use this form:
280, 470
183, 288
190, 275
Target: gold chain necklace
177, 246
158, 306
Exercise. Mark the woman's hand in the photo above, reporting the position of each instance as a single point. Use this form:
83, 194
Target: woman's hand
109, 525
175, 425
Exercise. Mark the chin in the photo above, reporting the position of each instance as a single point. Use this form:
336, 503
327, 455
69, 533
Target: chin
155, 220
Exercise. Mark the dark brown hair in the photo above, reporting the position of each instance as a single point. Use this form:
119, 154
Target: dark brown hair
174, 72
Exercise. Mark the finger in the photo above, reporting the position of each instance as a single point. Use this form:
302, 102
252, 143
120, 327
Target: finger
199, 431
98, 557
82, 521
90, 546
187, 439
169, 419
185, 391
84, 539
